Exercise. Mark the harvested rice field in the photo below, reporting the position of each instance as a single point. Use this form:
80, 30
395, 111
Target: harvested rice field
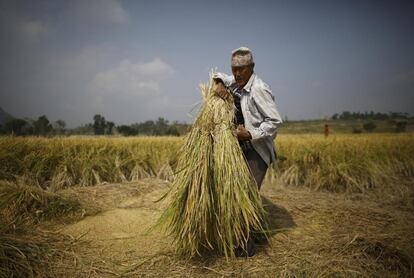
340, 206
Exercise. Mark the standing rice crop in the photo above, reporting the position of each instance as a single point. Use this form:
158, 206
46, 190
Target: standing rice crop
214, 202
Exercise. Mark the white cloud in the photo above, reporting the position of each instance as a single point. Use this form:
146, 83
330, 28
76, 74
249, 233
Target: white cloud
157, 67
89, 60
131, 79
97, 12
16, 29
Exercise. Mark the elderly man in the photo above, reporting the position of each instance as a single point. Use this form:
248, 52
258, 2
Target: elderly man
256, 117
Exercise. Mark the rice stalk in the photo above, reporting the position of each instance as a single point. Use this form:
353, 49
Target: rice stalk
61, 179
214, 201
166, 172
32, 252
138, 172
23, 202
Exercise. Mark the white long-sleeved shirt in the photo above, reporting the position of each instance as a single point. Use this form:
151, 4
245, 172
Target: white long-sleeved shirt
260, 114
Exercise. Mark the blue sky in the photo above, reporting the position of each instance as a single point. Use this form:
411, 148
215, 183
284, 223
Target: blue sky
133, 61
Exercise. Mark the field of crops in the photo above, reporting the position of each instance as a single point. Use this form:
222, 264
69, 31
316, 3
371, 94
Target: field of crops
350, 163
366, 180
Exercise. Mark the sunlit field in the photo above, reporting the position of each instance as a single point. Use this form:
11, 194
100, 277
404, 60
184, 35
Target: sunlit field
341, 206
350, 163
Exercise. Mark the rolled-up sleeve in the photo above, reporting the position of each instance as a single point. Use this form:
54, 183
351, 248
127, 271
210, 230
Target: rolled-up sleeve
266, 105
226, 79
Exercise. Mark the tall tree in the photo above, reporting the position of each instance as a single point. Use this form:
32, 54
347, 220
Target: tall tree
42, 126
369, 126
400, 126
99, 124
59, 126
14, 126
109, 127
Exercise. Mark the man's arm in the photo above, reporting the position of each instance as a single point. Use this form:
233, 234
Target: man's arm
227, 80
223, 81
266, 105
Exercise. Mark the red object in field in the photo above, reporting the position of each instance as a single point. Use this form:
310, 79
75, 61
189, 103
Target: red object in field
326, 131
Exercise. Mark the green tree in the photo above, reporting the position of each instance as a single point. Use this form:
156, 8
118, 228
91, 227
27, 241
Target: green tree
369, 126
173, 131
42, 126
126, 130
356, 130
401, 126
109, 127
59, 126
14, 126
99, 124
161, 127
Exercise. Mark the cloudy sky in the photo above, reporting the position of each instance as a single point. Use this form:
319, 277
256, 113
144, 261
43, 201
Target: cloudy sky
137, 60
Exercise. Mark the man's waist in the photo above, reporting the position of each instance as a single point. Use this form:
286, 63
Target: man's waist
246, 145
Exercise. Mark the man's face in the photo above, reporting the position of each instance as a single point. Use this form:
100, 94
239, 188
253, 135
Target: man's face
242, 74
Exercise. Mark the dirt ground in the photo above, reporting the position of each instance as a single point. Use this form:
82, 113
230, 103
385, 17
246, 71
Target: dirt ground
316, 234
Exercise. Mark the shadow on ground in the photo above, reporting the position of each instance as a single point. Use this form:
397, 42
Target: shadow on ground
279, 218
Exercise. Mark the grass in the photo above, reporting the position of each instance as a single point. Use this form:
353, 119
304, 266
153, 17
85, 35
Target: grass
29, 254
25, 251
58, 163
380, 163
348, 163
337, 234
22, 203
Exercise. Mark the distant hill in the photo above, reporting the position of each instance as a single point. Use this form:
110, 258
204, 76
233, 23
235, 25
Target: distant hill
4, 116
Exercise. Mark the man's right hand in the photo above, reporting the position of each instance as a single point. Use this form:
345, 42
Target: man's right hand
221, 90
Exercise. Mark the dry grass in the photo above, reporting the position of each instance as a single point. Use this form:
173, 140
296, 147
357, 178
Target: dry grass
319, 235
58, 163
26, 251
362, 163
31, 254
21, 203
365, 232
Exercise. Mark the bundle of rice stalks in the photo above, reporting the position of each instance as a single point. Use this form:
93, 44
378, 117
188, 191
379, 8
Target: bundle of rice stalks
22, 202
214, 201
30, 252
25, 256
166, 173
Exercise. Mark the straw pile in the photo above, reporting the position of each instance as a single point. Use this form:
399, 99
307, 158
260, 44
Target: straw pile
214, 201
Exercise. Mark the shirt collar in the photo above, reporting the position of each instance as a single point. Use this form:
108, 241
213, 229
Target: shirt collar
249, 83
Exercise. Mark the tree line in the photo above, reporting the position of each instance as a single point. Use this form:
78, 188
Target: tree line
346, 115
398, 119
99, 126
162, 127
41, 126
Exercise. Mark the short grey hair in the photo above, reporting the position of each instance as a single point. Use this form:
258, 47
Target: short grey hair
241, 56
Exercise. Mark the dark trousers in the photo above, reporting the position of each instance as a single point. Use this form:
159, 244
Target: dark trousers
257, 165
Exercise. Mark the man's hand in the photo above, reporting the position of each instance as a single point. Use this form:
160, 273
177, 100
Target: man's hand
221, 90
242, 133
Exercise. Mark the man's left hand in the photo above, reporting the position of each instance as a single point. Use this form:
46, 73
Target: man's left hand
243, 134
